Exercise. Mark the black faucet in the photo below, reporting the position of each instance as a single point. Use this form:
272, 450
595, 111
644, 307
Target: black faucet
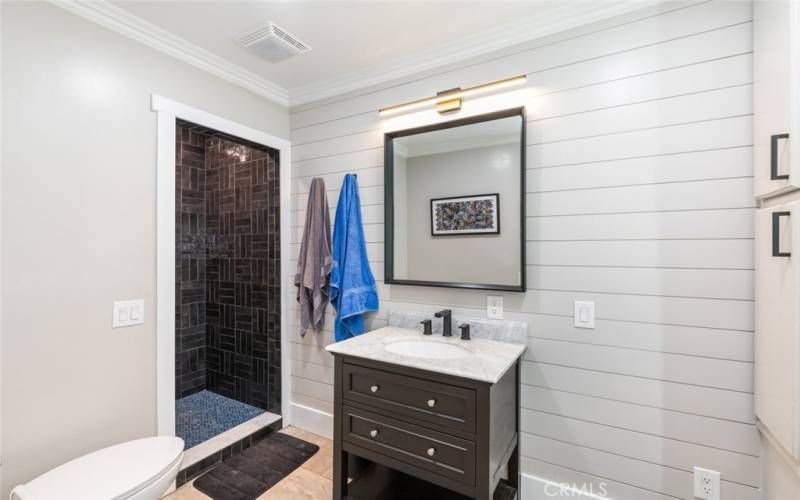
464, 331
426, 327
447, 325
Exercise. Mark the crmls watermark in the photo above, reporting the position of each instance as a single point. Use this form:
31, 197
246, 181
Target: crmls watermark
566, 490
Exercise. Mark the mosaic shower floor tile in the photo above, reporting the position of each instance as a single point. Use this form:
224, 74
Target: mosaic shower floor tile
205, 414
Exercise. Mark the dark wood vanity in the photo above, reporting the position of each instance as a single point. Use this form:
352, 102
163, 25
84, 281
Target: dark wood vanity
454, 432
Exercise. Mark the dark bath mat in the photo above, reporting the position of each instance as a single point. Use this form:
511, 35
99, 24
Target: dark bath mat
248, 475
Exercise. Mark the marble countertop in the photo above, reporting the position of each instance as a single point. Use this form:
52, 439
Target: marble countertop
487, 360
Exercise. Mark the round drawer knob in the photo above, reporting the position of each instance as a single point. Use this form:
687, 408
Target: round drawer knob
431, 452
431, 403
374, 388
374, 432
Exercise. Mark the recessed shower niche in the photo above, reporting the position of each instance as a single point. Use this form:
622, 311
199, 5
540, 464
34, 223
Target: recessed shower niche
227, 282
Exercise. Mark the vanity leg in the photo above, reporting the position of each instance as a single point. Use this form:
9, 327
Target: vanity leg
340, 458
513, 468
513, 462
340, 474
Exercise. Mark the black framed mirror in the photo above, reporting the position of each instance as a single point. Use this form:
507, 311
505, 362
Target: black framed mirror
455, 203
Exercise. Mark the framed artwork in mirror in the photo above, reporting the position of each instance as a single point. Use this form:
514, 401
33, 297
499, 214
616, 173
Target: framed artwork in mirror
466, 215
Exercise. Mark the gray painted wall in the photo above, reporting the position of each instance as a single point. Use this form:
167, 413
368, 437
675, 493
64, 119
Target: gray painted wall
78, 218
486, 258
639, 197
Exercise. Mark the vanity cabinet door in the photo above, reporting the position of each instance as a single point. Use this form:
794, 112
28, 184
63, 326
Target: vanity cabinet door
450, 407
777, 333
440, 453
776, 87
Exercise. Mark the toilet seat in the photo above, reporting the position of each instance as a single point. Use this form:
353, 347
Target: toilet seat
112, 473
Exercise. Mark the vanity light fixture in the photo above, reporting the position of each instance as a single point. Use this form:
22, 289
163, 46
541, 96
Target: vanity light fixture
450, 100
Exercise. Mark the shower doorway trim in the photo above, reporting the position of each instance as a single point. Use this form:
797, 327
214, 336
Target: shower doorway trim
168, 111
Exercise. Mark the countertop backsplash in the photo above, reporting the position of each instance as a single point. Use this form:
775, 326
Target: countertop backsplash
480, 328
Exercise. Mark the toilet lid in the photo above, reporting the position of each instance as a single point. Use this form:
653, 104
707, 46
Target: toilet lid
114, 472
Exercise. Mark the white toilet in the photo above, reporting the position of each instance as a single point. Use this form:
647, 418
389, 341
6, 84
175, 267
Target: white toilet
137, 470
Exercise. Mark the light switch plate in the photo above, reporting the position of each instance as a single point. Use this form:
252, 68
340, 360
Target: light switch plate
584, 314
494, 306
127, 313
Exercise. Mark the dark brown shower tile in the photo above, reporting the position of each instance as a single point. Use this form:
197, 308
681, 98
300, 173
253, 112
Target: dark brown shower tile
259, 370
243, 245
242, 198
227, 200
193, 337
260, 196
212, 337
243, 292
243, 366
272, 168
228, 315
226, 211
226, 269
243, 174
244, 343
260, 171
192, 202
260, 296
243, 270
227, 340
244, 318
261, 218
227, 292
260, 271
228, 367
213, 359
242, 222
260, 321
259, 246
213, 180
226, 223
191, 292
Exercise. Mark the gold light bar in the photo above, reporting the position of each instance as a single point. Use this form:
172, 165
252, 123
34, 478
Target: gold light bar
450, 100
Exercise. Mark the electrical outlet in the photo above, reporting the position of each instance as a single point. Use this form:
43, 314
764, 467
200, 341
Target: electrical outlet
494, 306
706, 484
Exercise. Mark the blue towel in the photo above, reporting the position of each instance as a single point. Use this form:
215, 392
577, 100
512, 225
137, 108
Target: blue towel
352, 286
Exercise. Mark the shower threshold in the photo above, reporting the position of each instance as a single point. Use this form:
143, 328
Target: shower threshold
203, 414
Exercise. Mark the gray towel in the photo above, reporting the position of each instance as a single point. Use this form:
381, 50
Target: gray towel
314, 262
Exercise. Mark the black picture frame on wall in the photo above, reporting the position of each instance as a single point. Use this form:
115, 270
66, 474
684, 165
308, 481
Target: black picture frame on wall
494, 230
389, 229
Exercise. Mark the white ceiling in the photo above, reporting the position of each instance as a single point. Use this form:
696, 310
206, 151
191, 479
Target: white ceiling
344, 36
354, 44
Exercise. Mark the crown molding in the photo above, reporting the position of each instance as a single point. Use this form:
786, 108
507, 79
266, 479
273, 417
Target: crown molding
114, 18
562, 17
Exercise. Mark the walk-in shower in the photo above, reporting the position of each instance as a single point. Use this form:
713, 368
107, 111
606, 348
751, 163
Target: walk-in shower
227, 282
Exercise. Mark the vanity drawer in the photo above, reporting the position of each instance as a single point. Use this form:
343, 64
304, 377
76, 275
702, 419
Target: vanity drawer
423, 448
449, 406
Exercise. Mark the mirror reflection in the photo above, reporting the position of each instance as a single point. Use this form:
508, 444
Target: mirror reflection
457, 205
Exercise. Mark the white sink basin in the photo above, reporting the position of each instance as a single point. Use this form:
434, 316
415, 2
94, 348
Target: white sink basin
427, 349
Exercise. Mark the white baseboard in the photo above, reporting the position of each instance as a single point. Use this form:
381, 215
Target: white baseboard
536, 488
312, 420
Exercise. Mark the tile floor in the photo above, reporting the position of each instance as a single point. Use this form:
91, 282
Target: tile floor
311, 481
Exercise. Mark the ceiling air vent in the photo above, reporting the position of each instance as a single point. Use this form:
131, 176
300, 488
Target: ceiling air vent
272, 43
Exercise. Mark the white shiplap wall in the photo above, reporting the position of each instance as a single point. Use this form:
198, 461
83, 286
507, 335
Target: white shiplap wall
640, 199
